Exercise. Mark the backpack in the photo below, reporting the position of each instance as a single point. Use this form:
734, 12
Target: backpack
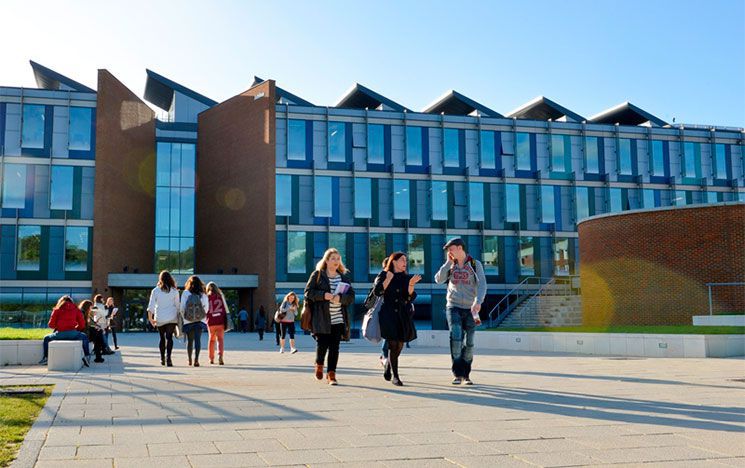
469, 261
194, 311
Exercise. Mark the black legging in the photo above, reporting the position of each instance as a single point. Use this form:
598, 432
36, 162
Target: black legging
394, 351
166, 340
96, 337
194, 337
329, 342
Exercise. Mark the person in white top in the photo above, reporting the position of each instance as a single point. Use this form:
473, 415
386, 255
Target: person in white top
162, 312
194, 312
286, 318
98, 310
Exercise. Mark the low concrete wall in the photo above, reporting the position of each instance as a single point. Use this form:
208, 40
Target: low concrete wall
20, 352
719, 320
599, 344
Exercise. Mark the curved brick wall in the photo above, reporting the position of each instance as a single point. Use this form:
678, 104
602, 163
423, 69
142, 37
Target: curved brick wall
650, 267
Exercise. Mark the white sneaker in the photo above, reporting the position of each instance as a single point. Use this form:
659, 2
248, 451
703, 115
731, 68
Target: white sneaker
293, 351
383, 361
281, 350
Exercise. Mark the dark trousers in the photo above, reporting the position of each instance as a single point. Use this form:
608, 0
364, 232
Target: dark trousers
113, 335
166, 340
261, 333
194, 338
96, 337
329, 342
244, 326
277, 331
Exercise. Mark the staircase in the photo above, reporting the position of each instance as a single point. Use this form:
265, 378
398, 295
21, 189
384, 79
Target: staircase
546, 311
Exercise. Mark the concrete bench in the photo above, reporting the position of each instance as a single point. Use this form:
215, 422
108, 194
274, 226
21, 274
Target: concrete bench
65, 356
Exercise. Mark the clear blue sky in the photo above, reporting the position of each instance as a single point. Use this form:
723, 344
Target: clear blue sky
682, 59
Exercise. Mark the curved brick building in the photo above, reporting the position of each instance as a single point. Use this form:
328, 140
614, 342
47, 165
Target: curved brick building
650, 267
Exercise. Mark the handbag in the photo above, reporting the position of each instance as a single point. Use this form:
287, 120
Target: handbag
371, 323
306, 316
228, 319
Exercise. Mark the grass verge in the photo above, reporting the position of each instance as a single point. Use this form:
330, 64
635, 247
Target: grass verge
650, 330
17, 415
10, 333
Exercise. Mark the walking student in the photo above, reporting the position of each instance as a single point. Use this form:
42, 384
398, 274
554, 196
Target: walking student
68, 324
243, 320
260, 325
111, 313
329, 290
194, 307
396, 324
100, 309
217, 322
275, 325
465, 293
162, 311
286, 316
95, 333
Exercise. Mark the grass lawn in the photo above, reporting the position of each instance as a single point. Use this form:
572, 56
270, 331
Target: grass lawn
651, 329
17, 414
9, 333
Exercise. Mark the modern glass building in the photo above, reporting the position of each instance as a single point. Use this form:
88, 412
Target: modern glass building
251, 191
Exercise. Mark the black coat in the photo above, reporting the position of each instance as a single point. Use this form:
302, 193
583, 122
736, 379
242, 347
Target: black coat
318, 285
396, 322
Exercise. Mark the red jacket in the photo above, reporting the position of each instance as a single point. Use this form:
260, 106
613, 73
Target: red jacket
66, 318
217, 314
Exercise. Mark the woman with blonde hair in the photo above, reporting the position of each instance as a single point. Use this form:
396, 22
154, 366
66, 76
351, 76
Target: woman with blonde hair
329, 291
95, 332
285, 316
217, 321
194, 307
162, 312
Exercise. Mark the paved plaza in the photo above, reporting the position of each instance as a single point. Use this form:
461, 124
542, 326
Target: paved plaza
265, 408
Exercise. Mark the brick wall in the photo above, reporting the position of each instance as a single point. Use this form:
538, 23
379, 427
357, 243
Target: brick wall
650, 268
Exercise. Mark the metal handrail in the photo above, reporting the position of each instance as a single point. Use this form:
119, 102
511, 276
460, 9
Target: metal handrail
709, 285
512, 299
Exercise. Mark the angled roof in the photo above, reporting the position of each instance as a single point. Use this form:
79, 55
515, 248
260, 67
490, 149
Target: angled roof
49, 79
454, 103
543, 108
282, 93
159, 91
361, 97
626, 114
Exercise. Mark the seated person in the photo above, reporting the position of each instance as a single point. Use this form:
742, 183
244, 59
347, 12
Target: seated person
68, 324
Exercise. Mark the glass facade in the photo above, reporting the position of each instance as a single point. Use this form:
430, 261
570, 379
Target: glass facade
378, 252
62, 188
29, 248
548, 208
322, 197
527, 257
692, 160
512, 203
14, 186
296, 140
80, 128
32, 135
658, 158
522, 152
582, 199
401, 199
561, 148
283, 195
616, 204
414, 146
451, 147
296, 252
362, 198
720, 161
476, 201
415, 254
624, 157
490, 255
439, 200
375, 144
337, 142
561, 257
76, 248
592, 157
487, 149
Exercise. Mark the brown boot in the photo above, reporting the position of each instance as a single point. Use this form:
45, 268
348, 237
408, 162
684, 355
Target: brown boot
319, 371
331, 377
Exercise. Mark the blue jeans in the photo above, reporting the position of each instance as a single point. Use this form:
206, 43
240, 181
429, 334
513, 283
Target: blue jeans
70, 335
193, 332
462, 330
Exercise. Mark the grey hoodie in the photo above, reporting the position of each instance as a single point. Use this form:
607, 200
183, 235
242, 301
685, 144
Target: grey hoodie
466, 286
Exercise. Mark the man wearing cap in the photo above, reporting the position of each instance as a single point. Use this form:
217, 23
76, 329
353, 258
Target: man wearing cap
465, 293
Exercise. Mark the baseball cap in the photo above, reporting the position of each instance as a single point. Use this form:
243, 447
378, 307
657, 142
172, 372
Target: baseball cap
454, 241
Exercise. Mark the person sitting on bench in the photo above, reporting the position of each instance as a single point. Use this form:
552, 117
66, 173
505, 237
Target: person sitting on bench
68, 324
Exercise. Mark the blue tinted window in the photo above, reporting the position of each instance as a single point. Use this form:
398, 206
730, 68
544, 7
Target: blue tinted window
720, 161
476, 201
29, 248
679, 199
401, 199
76, 248
338, 241
176, 164
559, 153
582, 195
711, 197
691, 159
80, 128
377, 252
451, 147
296, 252
322, 198
175, 212
337, 142
188, 164
548, 211
296, 140
61, 196
616, 204
490, 255
658, 158
284, 195
522, 147
592, 165
624, 156
14, 186
187, 213
414, 146
488, 150
375, 144
648, 195
439, 200
33, 126
186, 255
512, 202
163, 164
561, 257
415, 254
741, 196
362, 198
162, 211
527, 258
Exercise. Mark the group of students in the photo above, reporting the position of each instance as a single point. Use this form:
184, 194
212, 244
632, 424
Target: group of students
88, 322
199, 308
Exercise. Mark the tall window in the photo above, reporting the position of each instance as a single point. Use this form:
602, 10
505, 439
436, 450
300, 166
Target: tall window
296, 140
487, 149
648, 198
624, 157
414, 146
375, 144
415, 253
14, 186
561, 257
476, 201
61, 193
322, 197
29, 248
296, 251
527, 259
548, 210
522, 148
284, 195
616, 203
377, 252
560, 153
439, 200
401, 199
582, 198
720, 161
712, 197
490, 255
76, 248
658, 158
337, 142
692, 159
80, 128
451, 147
32, 135
592, 157
679, 198
512, 203
362, 198
338, 241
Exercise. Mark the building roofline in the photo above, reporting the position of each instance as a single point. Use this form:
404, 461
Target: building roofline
544, 101
283, 93
161, 94
46, 77
661, 208
453, 97
357, 90
618, 110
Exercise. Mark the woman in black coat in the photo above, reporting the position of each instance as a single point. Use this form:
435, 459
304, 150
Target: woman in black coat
396, 323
